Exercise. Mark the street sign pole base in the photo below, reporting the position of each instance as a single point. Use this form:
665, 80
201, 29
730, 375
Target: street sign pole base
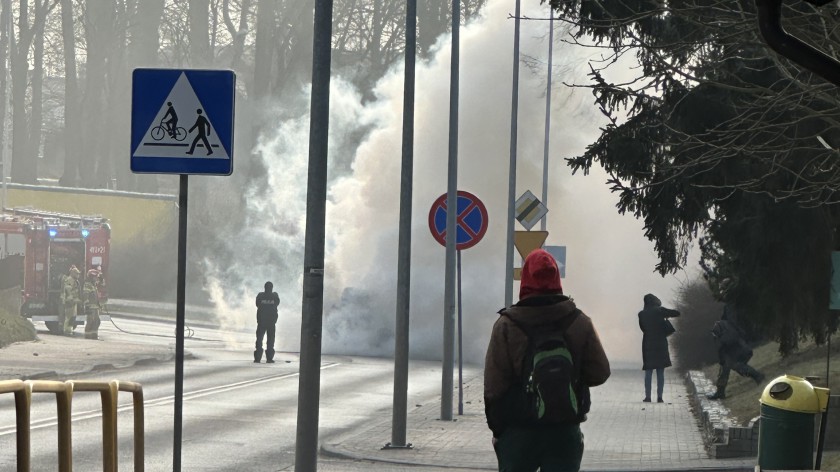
391, 446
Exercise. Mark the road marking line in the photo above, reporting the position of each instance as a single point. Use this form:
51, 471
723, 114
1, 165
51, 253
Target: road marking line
91, 414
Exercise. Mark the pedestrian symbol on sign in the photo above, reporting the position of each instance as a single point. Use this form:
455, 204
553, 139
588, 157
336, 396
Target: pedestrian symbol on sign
202, 129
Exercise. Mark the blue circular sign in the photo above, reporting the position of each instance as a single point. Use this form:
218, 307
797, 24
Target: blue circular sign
470, 222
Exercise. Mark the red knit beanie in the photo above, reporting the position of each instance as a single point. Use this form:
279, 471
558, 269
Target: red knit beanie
539, 275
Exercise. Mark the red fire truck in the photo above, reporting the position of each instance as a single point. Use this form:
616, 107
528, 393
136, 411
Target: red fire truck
37, 248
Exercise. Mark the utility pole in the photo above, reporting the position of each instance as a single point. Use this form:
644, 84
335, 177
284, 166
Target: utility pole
547, 115
401, 336
312, 310
514, 118
451, 232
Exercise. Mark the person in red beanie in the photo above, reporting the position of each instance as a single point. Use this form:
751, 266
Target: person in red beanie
522, 445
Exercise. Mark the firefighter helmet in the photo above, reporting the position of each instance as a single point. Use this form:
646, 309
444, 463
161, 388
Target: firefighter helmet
74, 270
92, 273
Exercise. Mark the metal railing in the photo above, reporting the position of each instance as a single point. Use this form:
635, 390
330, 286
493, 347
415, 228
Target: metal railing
64, 392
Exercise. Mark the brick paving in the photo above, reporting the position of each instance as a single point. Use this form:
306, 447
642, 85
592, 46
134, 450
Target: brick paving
622, 432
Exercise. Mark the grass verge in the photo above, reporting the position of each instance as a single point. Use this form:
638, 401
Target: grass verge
742, 394
13, 327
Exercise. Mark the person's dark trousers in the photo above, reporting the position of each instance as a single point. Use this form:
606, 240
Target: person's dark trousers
549, 449
660, 382
742, 368
723, 376
266, 330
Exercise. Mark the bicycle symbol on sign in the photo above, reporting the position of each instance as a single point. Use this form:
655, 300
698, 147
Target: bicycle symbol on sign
163, 129
169, 125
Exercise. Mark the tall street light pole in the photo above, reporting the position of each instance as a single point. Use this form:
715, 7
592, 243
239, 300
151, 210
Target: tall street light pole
451, 233
547, 115
312, 310
401, 337
514, 117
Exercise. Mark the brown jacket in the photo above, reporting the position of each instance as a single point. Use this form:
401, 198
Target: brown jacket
506, 352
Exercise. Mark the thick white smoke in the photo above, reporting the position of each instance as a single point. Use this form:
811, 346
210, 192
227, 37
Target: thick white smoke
609, 263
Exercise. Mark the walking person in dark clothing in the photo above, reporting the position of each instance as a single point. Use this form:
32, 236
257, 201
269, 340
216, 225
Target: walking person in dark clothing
550, 444
733, 352
267, 303
203, 127
655, 355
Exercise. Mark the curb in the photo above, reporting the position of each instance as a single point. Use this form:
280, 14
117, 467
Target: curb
334, 451
724, 438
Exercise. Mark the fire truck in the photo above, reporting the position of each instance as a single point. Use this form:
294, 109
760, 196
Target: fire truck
37, 248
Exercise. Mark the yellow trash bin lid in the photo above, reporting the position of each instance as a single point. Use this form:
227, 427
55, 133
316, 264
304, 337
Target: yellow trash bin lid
792, 393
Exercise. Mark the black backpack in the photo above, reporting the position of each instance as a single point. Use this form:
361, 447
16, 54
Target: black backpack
550, 378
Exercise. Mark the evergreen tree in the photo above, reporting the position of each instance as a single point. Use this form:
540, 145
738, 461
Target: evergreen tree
717, 138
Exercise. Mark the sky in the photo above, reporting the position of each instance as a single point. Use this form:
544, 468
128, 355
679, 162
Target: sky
609, 263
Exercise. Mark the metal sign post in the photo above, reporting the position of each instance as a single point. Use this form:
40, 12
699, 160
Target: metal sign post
312, 306
159, 145
471, 223
451, 186
400, 409
514, 120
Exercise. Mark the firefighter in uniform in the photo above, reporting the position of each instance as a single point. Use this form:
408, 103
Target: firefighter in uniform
267, 303
91, 305
71, 297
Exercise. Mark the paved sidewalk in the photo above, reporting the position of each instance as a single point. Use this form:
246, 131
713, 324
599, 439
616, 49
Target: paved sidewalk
622, 432
57, 357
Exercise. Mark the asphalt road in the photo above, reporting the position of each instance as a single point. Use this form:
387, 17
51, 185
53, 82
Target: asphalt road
237, 415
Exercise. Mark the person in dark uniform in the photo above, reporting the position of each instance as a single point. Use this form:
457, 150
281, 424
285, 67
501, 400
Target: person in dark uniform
655, 355
733, 352
267, 303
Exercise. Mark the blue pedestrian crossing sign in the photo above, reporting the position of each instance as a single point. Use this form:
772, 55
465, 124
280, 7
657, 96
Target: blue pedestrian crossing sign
182, 121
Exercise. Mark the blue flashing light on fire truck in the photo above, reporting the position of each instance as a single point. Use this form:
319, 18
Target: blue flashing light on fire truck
37, 248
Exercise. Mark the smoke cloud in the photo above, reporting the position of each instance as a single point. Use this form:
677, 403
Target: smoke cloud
609, 263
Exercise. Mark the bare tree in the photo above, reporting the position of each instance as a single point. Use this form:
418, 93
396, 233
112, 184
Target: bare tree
237, 32
144, 33
72, 107
294, 46
24, 158
143, 20
98, 23
199, 36
432, 21
5, 17
37, 91
263, 47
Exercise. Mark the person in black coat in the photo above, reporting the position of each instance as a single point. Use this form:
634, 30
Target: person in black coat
267, 303
655, 355
733, 352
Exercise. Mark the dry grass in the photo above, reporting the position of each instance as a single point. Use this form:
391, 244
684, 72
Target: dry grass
13, 328
742, 394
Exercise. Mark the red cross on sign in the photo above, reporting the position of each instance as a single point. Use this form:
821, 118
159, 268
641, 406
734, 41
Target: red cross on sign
470, 222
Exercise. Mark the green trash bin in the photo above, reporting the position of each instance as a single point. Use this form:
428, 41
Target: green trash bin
786, 430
